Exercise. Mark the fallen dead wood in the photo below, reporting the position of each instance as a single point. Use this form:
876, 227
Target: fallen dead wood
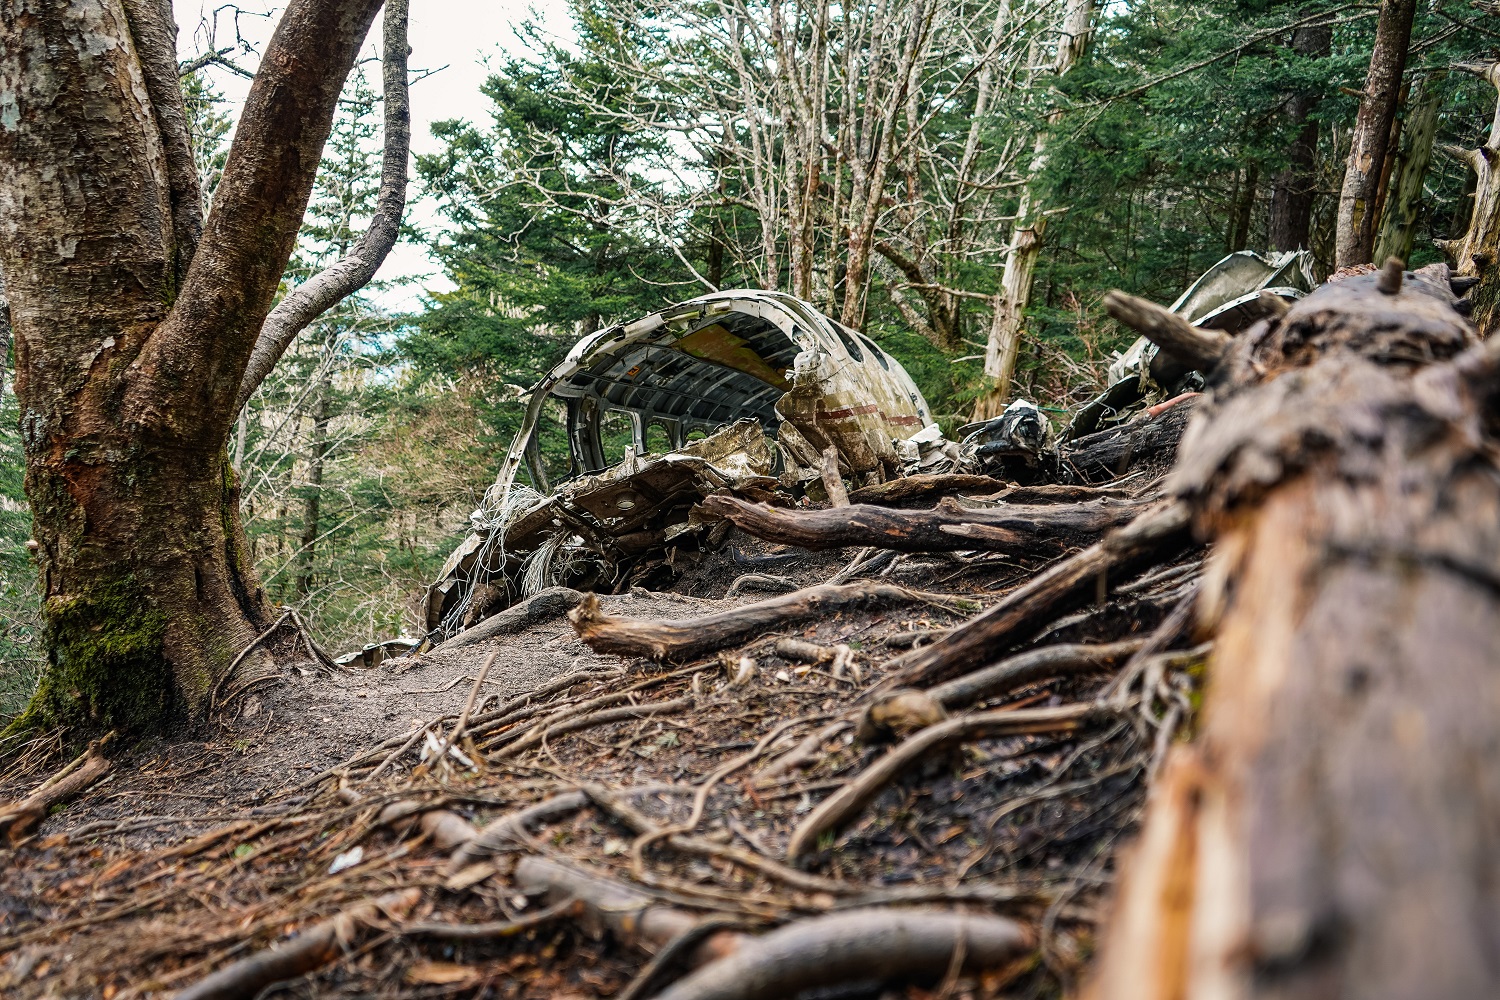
883, 946
842, 805
1030, 667
1045, 529
1196, 347
1333, 830
19, 819
1029, 609
688, 638
313, 948
553, 602
924, 486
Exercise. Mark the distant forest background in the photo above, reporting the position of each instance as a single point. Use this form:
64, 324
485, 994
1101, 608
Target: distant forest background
937, 175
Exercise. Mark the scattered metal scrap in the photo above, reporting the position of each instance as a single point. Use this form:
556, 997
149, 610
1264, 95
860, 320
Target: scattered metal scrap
735, 366
774, 384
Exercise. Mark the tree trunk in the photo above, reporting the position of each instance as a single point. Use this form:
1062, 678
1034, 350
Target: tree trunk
1359, 201
1292, 193
1009, 305
312, 502
132, 336
1476, 253
1403, 209
1334, 830
1244, 207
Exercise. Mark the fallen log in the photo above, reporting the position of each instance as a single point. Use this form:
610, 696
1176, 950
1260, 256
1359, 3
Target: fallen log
1047, 529
1028, 610
1335, 829
684, 639
924, 485
879, 946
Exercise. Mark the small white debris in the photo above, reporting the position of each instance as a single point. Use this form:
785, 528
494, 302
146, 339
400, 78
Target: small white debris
348, 859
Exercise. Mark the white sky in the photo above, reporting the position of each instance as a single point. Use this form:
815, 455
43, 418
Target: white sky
458, 34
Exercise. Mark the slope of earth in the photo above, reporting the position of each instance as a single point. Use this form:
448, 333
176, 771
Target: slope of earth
885, 767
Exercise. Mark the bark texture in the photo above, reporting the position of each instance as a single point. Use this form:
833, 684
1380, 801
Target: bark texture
1334, 831
1360, 198
132, 335
1404, 208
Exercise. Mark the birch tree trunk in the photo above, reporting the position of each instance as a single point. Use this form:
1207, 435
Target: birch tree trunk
1008, 310
1359, 200
132, 335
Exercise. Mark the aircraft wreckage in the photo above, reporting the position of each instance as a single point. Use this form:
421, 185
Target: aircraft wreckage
759, 395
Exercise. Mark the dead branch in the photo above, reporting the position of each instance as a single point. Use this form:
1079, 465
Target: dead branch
885, 945
833, 484
1027, 610
692, 637
19, 819
1194, 347
311, 949
948, 527
840, 807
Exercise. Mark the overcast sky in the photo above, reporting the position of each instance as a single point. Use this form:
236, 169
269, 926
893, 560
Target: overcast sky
458, 34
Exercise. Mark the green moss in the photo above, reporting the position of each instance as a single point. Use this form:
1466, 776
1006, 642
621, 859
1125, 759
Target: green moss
106, 668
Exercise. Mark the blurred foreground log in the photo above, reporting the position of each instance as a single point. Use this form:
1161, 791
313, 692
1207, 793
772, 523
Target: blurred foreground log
1335, 829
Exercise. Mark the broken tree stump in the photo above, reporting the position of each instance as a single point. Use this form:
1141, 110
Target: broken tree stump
1335, 829
1016, 529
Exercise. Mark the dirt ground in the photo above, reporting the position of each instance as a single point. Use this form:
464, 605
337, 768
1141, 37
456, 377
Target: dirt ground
192, 855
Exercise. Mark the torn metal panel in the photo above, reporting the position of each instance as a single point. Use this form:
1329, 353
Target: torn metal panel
711, 361
590, 529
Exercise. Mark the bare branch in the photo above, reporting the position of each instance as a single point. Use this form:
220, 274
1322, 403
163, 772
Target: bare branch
325, 289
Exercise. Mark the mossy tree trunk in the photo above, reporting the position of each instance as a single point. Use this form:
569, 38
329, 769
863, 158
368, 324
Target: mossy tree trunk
134, 321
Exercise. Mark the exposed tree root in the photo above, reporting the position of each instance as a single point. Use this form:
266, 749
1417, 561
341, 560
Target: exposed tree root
19, 819
878, 946
841, 806
311, 949
1027, 610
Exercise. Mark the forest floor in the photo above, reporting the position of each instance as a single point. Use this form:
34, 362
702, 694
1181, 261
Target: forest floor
681, 786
